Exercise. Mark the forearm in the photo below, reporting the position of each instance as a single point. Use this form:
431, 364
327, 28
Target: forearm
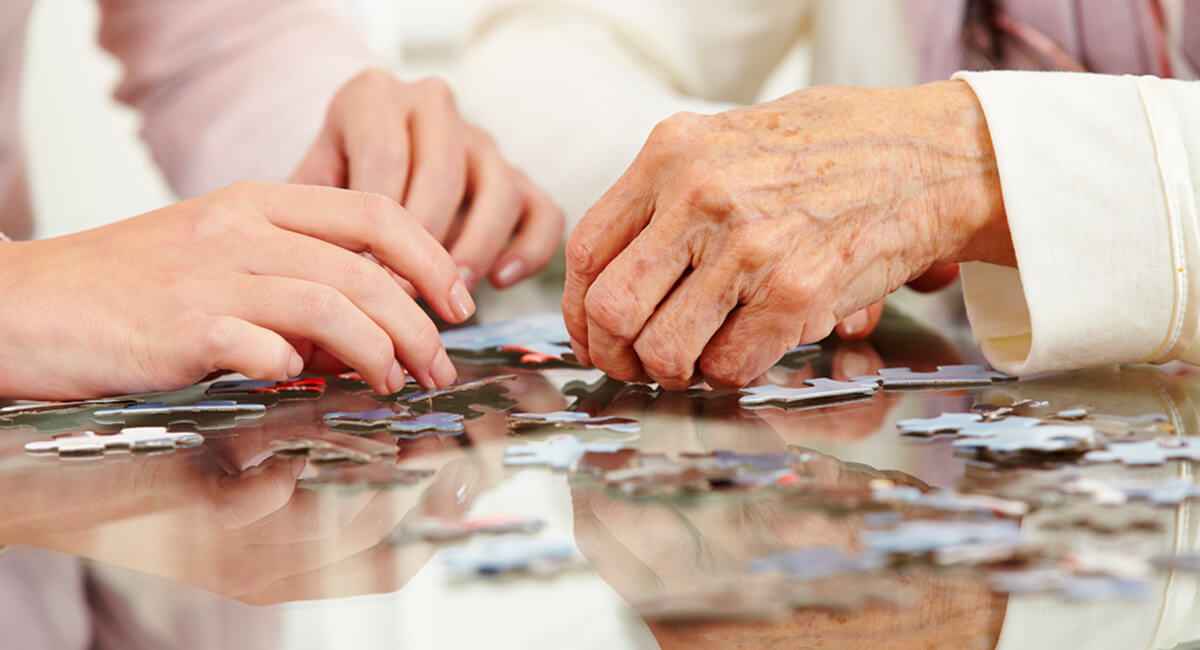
229, 90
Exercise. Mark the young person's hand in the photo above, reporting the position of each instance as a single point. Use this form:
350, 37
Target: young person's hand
407, 141
233, 280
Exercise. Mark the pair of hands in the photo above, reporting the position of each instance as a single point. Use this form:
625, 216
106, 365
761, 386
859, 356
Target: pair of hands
266, 280
734, 237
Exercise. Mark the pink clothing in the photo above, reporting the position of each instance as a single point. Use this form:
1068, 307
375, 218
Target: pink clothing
227, 89
1107, 36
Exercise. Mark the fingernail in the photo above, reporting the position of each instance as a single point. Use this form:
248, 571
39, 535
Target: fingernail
396, 378
295, 365
509, 273
442, 371
856, 364
467, 276
460, 301
856, 322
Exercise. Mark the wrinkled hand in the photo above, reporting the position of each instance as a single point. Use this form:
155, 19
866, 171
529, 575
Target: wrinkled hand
736, 236
408, 142
227, 281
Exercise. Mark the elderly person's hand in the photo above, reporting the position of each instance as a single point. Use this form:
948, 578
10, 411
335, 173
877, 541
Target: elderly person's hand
734, 237
408, 142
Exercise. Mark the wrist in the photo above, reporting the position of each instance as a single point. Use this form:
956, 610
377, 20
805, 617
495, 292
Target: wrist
961, 173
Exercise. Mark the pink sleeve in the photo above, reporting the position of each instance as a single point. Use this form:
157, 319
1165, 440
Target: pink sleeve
229, 89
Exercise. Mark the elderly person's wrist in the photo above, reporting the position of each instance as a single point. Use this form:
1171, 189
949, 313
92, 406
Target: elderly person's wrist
962, 176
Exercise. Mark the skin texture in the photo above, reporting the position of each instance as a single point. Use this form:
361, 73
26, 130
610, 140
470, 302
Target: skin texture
408, 142
733, 237
234, 280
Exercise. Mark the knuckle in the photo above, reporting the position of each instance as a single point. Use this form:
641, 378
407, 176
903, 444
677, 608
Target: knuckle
218, 338
722, 367
664, 363
609, 309
365, 279
378, 212
676, 129
581, 257
437, 90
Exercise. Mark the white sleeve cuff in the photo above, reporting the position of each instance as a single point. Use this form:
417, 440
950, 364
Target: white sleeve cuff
1095, 229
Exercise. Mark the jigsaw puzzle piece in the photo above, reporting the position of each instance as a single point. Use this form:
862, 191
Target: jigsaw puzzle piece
943, 377
133, 439
216, 414
365, 421
1044, 439
428, 424
1147, 452
514, 555
368, 476
251, 389
815, 390
563, 419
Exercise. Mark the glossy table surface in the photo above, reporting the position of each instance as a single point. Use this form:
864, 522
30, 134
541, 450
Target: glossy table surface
215, 547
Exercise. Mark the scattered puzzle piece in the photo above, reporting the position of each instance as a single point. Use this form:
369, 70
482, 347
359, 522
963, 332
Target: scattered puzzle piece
513, 555
968, 425
1045, 439
217, 414
366, 421
320, 451
816, 390
574, 418
1057, 582
464, 387
943, 377
816, 562
370, 476
437, 531
1148, 452
295, 389
134, 439
428, 424
46, 408
1022, 407
948, 542
883, 491
561, 452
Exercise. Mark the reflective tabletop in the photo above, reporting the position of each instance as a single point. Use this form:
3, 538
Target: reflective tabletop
244, 542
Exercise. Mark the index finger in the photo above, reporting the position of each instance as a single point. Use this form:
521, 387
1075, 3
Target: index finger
372, 223
606, 229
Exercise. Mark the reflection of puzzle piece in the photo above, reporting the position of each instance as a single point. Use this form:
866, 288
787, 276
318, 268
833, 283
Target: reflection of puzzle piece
968, 425
768, 596
221, 414
428, 424
540, 557
464, 387
946, 500
1149, 452
319, 451
47, 408
944, 376
816, 390
436, 530
1021, 407
816, 562
1079, 588
1048, 439
134, 439
574, 418
371, 476
558, 452
305, 388
365, 421
948, 541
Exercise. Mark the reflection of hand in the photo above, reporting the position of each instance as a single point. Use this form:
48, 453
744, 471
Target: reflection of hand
770, 224
218, 282
408, 142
